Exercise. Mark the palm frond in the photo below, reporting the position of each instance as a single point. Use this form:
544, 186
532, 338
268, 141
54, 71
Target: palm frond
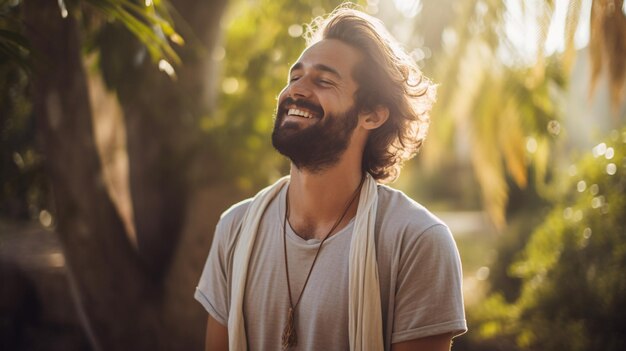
571, 24
145, 23
151, 24
14, 47
607, 47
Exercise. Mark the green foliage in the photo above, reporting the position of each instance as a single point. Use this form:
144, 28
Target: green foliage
150, 23
22, 180
22, 184
14, 47
574, 284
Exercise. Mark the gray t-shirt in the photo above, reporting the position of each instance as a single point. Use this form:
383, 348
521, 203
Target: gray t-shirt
418, 264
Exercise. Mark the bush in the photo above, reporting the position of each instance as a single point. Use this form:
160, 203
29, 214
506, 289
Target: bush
574, 283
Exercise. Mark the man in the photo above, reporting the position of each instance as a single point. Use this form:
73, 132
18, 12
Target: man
327, 259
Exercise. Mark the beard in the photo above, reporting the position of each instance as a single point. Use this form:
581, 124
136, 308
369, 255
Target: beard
318, 146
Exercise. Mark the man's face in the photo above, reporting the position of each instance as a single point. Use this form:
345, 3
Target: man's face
316, 114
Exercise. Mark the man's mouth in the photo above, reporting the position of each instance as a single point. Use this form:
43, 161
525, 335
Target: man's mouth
300, 113
301, 109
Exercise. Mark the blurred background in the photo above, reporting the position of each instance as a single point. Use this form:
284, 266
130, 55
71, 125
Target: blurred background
127, 127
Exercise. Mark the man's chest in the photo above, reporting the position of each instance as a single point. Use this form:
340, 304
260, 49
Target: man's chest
321, 317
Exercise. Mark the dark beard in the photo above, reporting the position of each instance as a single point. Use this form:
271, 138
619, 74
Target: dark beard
316, 147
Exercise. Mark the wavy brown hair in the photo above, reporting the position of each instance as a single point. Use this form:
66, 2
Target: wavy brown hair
387, 76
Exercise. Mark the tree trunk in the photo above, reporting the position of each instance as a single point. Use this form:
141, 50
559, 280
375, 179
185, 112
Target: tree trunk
164, 139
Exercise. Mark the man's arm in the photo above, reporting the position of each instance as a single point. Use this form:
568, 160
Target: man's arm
216, 336
430, 343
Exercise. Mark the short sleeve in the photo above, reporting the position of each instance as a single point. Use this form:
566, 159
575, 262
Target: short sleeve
213, 289
429, 297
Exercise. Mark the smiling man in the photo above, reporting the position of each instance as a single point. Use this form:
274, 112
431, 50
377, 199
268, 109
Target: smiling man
328, 258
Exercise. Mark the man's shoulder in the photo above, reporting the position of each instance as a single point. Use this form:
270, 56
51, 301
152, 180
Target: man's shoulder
406, 228
233, 216
396, 209
229, 224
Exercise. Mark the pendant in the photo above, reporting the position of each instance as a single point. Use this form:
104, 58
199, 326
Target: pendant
290, 339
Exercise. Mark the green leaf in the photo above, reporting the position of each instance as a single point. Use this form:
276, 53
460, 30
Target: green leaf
144, 22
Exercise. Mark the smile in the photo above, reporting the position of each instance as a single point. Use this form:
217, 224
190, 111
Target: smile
300, 113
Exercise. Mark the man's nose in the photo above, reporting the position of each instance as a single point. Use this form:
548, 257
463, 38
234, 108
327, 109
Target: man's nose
300, 88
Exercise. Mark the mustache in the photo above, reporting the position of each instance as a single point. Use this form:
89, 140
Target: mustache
300, 103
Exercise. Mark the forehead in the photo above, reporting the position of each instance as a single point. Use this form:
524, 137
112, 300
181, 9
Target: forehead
330, 53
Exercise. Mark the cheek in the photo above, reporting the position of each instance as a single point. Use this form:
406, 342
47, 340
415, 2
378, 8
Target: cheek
337, 104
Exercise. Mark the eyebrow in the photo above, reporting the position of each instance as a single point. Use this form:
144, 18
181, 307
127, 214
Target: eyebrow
319, 67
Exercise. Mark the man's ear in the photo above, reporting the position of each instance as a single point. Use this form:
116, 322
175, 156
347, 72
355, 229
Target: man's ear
374, 118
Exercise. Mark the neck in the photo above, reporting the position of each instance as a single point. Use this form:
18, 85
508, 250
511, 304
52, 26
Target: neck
317, 200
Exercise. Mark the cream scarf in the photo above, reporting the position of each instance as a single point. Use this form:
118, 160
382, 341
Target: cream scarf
364, 306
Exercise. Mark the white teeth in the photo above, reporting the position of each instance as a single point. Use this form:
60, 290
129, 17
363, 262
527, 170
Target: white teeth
296, 112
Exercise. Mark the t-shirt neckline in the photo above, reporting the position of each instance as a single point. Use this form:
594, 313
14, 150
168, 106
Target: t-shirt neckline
295, 238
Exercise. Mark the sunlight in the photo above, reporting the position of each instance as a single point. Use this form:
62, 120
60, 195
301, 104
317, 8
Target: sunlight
408, 8
56, 260
218, 53
63, 9
372, 7
523, 29
295, 30
167, 68
531, 145
230, 85
611, 168
45, 218
110, 135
